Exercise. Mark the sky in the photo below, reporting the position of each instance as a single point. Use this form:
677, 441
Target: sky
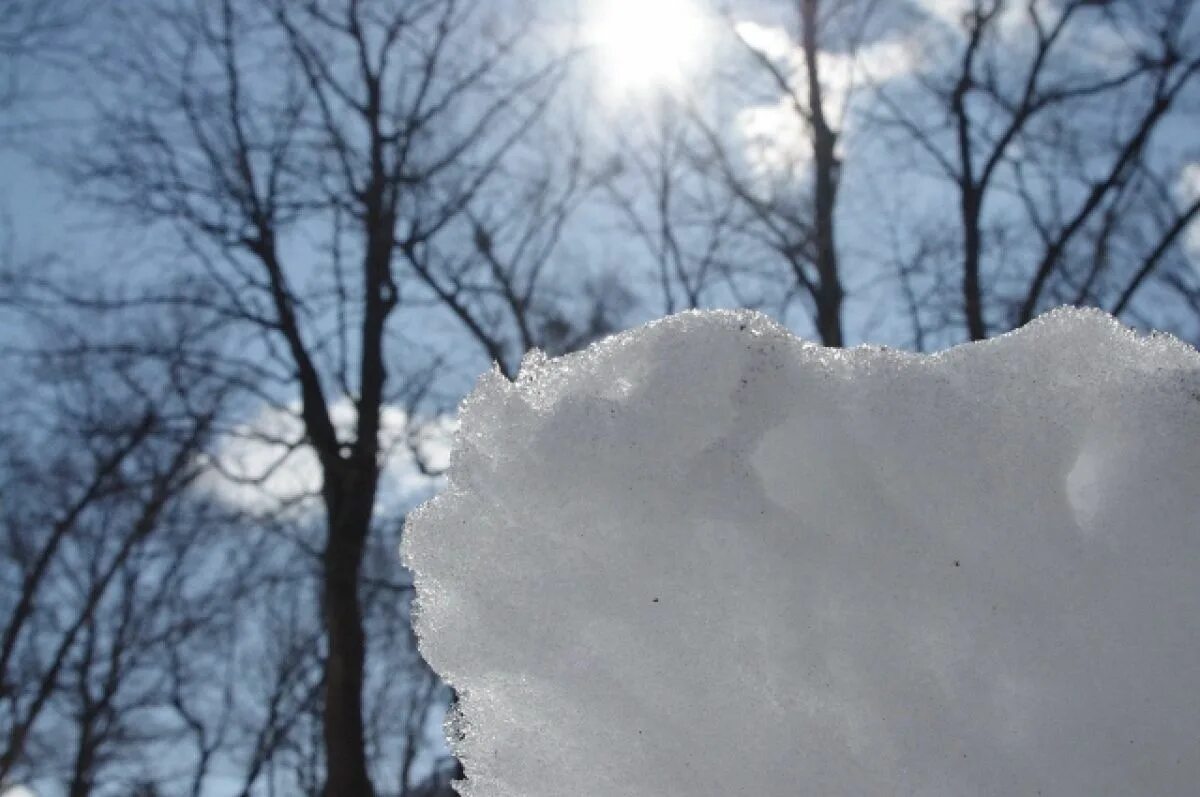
641, 55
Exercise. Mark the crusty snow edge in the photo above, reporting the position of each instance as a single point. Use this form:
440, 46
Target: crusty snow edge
707, 557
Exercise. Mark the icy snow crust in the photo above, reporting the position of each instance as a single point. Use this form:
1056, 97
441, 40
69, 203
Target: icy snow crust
707, 558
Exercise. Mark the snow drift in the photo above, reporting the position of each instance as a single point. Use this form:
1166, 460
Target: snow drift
707, 558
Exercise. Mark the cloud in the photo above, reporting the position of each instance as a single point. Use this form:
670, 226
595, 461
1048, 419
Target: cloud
775, 135
264, 466
18, 791
947, 12
953, 14
1189, 190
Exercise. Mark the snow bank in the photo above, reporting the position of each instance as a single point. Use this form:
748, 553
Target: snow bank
706, 558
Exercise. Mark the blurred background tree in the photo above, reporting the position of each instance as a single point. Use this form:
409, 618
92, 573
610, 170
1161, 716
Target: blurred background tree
255, 251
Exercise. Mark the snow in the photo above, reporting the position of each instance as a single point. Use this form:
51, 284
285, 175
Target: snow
707, 558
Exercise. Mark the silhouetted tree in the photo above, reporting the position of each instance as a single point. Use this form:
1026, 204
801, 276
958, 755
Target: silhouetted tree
1047, 121
327, 165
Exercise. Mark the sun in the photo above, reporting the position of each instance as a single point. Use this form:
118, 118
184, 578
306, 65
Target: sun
643, 46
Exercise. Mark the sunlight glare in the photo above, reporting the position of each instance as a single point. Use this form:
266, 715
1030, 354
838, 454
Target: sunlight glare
647, 45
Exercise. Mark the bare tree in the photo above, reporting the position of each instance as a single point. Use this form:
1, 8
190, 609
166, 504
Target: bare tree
89, 588
683, 221
373, 130
500, 269
205, 648
34, 33
789, 197
1023, 120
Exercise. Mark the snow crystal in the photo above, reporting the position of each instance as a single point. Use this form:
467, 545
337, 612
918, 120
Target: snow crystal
706, 558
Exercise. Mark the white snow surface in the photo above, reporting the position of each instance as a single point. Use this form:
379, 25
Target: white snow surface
707, 558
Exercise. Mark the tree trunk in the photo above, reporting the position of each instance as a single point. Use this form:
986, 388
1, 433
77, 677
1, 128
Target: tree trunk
82, 769
829, 293
972, 247
350, 500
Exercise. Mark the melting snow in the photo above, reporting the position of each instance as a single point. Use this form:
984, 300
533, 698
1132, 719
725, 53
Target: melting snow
706, 558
